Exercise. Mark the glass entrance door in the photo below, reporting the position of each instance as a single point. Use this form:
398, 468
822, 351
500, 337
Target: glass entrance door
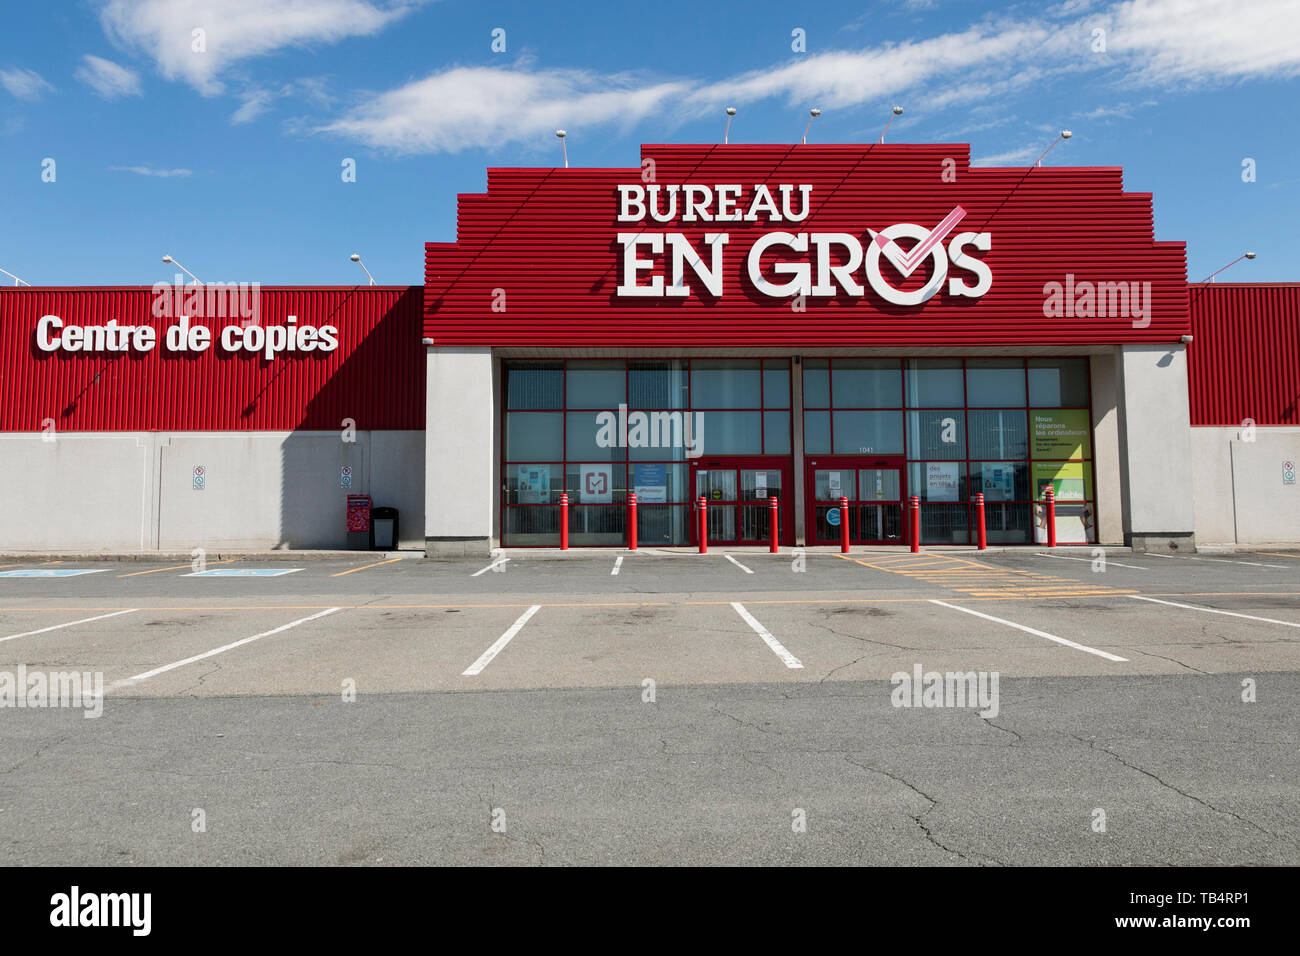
874, 491
738, 495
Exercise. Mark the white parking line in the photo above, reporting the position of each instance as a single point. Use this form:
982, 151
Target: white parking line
486, 657
1034, 631
84, 620
1064, 557
618, 563
1192, 557
790, 660
217, 650
1215, 610
737, 564
496, 563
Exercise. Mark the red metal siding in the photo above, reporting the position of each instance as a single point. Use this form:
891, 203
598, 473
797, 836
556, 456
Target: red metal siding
375, 376
546, 237
1244, 360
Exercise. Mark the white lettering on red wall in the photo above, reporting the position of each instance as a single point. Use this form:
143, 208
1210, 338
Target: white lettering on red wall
654, 264
271, 341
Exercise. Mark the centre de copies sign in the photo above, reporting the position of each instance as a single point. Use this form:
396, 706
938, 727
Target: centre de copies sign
815, 269
183, 337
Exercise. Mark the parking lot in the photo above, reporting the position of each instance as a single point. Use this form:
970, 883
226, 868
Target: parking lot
649, 707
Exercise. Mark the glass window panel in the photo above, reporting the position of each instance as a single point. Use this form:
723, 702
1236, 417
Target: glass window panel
816, 384
1000, 480
656, 384
614, 488
531, 527
732, 433
879, 484
776, 433
596, 525
1008, 523
660, 483
867, 383
596, 384
868, 433
662, 525
662, 435
832, 484
776, 385
995, 382
593, 436
998, 434
533, 484
937, 481
535, 385
934, 383
940, 433
720, 383
534, 436
1058, 383
816, 433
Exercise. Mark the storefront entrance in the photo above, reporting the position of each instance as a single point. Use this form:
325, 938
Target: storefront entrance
737, 491
874, 488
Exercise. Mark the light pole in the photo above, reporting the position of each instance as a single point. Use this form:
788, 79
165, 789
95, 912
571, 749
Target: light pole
897, 111
357, 259
812, 115
1064, 134
170, 261
560, 134
731, 111
17, 281
1210, 277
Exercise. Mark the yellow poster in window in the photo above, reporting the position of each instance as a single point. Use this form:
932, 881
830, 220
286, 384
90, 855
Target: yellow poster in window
1059, 433
1070, 480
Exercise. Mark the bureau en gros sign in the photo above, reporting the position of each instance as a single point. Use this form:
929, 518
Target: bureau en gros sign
805, 263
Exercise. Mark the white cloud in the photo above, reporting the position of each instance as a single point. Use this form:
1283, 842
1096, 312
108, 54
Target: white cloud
1150, 44
488, 106
107, 78
233, 30
254, 104
1015, 157
151, 171
24, 84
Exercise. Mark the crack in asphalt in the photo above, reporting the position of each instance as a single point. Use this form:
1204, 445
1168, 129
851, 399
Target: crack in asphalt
918, 819
1093, 745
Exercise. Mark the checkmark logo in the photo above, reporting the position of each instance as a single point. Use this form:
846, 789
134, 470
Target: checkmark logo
906, 262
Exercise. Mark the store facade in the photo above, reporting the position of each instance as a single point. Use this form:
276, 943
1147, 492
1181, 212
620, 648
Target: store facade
737, 323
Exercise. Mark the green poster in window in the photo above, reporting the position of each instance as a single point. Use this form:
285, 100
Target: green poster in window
1060, 433
1070, 480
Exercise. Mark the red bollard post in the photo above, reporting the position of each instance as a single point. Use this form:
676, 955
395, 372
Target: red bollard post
1050, 496
564, 522
915, 522
704, 524
981, 537
631, 521
844, 525
774, 519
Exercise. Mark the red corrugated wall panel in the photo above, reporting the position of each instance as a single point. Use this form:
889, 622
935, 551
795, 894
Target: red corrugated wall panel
1244, 360
546, 237
375, 376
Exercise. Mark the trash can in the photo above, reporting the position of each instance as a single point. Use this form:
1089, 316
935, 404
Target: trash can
383, 529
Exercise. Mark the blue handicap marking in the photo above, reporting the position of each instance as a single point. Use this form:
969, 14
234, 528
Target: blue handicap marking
50, 572
241, 573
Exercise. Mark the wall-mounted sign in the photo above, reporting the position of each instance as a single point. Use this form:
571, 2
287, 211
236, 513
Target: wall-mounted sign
200, 479
787, 264
186, 337
345, 476
1288, 472
650, 482
596, 484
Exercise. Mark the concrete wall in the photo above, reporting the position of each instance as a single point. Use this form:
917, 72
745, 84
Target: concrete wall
1108, 483
1156, 448
1239, 492
114, 492
461, 474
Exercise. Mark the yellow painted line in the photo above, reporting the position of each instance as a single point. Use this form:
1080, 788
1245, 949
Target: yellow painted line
8, 565
51, 562
365, 567
1278, 554
175, 567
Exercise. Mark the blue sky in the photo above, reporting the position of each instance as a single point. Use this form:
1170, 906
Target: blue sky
229, 158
